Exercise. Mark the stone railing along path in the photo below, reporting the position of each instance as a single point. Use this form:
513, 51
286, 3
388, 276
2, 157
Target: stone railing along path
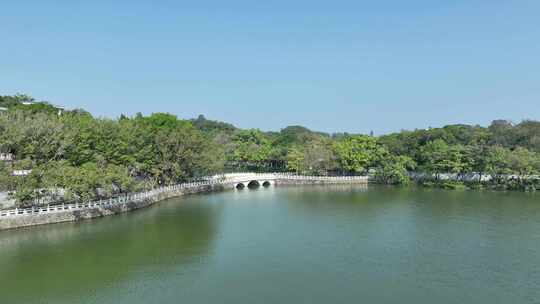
55, 213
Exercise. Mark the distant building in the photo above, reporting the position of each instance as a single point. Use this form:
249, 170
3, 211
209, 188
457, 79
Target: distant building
6, 157
21, 172
60, 110
2, 109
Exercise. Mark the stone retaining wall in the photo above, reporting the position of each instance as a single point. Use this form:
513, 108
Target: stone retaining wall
26, 220
100, 211
279, 182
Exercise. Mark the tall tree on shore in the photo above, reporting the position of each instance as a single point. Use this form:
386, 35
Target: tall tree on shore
357, 153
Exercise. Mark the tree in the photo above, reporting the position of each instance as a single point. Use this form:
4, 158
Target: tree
251, 145
496, 162
316, 157
319, 157
522, 162
393, 169
357, 153
87, 157
438, 157
295, 159
6, 182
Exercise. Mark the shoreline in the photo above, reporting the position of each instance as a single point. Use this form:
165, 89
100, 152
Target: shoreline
79, 212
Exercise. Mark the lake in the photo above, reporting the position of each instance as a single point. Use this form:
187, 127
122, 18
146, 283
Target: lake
312, 244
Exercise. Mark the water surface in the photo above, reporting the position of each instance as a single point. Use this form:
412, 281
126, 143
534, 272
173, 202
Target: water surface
312, 244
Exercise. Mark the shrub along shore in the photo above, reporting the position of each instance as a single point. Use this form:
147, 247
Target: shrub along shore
47, 151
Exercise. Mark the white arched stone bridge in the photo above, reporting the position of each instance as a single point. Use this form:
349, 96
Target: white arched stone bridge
245, 180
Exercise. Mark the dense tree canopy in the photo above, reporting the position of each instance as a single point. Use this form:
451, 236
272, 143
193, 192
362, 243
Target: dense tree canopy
90, 157
357, 153
77, 156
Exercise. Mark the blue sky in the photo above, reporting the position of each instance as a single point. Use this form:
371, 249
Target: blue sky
349, 66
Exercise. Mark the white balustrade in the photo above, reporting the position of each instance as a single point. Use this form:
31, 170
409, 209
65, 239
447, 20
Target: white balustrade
229, 178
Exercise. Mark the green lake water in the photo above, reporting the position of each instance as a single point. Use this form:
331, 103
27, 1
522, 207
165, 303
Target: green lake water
313, 244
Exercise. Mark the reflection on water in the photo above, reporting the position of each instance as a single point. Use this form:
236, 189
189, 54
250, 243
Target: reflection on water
313, 244
73, 258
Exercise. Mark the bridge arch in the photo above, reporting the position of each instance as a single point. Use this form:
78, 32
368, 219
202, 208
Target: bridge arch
253, 184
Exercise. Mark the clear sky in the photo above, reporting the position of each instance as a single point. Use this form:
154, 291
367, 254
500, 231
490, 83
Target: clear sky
334, 65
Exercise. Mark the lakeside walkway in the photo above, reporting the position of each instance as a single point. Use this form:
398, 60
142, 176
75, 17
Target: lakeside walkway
133, 201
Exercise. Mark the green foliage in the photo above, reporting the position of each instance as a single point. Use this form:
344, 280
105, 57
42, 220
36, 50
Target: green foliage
523, 161
12, 101
500, 151
495, 161
452, 185
5, 180
212, 126
393, 169
250, 145
85, 182
357, 153
315, 157
439, 157
295, 159
319, 157
27, 188
27, 104
297, 135
91, 157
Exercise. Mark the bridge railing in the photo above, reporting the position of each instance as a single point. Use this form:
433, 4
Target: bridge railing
122, 199
139, 196
272, 176
326, 178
